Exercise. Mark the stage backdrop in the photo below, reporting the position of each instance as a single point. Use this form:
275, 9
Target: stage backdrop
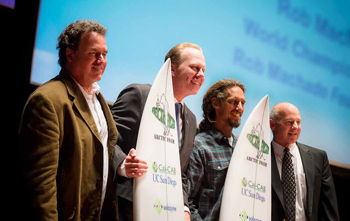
293, 50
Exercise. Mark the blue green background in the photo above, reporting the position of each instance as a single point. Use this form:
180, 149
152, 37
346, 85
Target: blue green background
140, 33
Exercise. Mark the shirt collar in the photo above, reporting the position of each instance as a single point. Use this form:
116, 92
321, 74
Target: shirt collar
181, 102
217, 135
279, 150
94, 90
176, 101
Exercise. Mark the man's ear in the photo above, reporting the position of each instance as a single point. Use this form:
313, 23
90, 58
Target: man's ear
173, 68
69, 54
272, 124
215, 103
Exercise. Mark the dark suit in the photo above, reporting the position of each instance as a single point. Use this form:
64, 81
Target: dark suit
321, 197
127, 112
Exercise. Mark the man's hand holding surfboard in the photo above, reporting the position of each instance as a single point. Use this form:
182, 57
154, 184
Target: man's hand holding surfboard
134, 166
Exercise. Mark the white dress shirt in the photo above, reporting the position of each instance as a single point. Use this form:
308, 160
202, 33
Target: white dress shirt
101, 124
301, 191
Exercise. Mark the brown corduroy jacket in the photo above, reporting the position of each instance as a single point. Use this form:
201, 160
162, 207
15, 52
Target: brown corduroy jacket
62, 154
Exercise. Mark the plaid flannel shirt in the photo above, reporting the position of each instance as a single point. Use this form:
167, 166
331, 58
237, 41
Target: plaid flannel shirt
206, 172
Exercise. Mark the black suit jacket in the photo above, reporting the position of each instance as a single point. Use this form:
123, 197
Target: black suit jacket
127, 112
321, 197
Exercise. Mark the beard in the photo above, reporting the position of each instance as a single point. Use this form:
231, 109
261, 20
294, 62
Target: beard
234, 123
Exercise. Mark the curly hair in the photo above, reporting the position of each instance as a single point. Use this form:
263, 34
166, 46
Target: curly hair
218, 90
71, 35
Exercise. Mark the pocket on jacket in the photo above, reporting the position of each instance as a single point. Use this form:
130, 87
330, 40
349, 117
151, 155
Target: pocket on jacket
217, 171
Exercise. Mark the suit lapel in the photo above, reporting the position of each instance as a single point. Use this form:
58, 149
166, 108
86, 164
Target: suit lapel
84, 110
188, 137
309, 170
184, 145
80, 103
276, 181
185, 125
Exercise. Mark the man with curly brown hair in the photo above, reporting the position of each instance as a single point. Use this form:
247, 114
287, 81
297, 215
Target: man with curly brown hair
67, 135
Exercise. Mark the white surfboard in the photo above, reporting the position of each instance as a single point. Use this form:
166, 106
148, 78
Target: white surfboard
247, 190
158, 193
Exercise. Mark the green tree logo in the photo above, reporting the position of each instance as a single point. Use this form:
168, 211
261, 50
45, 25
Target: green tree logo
244, 182
155, 167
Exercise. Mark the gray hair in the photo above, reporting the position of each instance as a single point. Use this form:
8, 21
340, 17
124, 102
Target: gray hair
276, 114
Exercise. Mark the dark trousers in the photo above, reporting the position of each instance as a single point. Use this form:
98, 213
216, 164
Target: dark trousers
125, 208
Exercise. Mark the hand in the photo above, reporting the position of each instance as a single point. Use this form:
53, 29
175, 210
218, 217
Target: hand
187, 216
134, 166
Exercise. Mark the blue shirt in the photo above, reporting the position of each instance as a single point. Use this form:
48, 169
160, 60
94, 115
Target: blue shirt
207, 168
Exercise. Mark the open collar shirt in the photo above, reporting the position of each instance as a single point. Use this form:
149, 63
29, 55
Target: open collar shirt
206, 172
101, 124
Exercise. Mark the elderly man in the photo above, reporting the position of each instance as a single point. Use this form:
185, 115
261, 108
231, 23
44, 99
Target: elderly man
302, 184
187, 69
67, 135
223, 106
